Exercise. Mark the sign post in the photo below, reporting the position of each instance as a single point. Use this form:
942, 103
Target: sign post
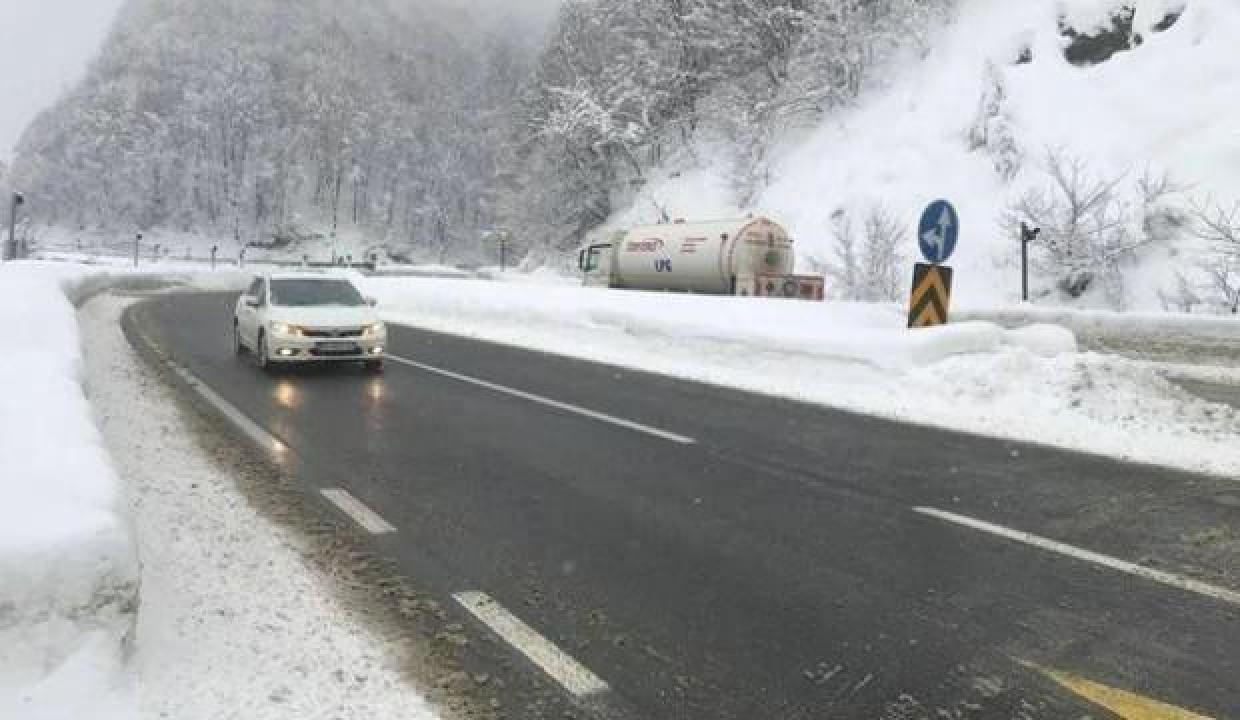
937, 234
10, 247
137, 247
505, 238
1027, 235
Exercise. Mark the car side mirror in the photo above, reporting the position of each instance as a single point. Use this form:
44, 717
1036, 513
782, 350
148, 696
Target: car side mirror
251, 301
371, 301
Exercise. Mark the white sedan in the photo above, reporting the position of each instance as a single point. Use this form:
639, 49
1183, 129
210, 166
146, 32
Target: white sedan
307, 319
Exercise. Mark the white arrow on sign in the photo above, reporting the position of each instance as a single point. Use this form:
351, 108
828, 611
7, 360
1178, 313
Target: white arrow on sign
937, 238
945, 223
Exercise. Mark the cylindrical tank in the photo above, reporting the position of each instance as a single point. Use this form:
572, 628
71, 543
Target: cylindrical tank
702, 257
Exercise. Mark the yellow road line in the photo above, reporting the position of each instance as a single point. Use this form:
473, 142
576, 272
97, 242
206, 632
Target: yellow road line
1127, 705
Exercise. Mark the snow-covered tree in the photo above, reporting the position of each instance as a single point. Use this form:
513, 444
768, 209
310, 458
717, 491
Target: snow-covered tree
1219, 226
246, 117
423, 127
869, 267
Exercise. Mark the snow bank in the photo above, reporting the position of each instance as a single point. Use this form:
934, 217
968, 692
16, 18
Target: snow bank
1102, 322
1166, 338
432, 270
542, 275
69, 573
68, 570
871, 335
1026, 384
1042, 339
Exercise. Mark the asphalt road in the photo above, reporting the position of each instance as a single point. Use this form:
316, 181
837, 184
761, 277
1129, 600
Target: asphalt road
712, 554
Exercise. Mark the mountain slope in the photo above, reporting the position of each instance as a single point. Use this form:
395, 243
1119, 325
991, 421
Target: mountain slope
978, 118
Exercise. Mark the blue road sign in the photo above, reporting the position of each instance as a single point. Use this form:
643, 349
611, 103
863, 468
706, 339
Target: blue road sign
938, 231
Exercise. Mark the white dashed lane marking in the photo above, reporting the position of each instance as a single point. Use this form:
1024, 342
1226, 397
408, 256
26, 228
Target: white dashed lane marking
368, 519
575, 677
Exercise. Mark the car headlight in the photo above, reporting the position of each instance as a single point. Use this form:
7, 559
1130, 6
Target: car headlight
280, 328
375, 330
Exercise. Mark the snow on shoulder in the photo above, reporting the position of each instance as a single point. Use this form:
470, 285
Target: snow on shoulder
1042, 339
1025, 384
866, 335
68, 570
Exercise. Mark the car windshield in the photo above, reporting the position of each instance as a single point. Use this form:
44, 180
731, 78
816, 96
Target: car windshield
309, 293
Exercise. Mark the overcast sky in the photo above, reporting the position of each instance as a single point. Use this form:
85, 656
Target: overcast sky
45, 46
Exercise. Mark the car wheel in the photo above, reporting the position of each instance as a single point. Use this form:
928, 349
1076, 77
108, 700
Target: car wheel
260, 353
373, 366
238, 346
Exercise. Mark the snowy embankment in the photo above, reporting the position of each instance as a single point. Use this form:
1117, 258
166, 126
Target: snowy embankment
69, 574
1025, 384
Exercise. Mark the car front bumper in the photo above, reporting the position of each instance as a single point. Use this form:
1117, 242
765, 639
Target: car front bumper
290, 349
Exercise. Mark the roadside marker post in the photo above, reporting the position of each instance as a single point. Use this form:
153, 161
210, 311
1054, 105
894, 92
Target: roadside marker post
937, 235
503, 238
932, 295
1027, 235
10, 246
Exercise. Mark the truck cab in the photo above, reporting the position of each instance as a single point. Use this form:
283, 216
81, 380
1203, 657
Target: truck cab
594, 261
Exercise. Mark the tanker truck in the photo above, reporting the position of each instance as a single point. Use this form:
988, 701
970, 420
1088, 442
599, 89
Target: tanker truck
751, 256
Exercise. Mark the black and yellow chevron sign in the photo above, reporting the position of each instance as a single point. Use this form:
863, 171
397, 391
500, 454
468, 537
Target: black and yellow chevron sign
932, 296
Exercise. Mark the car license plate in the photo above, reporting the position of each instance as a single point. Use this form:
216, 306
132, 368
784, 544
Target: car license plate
336, 346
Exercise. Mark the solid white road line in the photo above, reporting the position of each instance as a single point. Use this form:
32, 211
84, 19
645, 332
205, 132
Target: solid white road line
253, 430
368, 519
574, 676
603, 417
1166, 578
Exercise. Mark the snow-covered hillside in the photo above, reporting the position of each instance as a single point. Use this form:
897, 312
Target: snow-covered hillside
973, 120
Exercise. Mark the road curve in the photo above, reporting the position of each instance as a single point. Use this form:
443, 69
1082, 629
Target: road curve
665, 549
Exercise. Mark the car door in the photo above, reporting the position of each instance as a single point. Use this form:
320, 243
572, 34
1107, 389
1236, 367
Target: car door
247, 315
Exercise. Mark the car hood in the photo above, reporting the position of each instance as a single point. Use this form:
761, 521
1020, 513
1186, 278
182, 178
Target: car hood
325, 316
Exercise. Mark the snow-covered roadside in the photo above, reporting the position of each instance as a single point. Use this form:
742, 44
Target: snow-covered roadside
1211, 342
68, 567
1102, 322
172, 599
976, 377
234, 622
